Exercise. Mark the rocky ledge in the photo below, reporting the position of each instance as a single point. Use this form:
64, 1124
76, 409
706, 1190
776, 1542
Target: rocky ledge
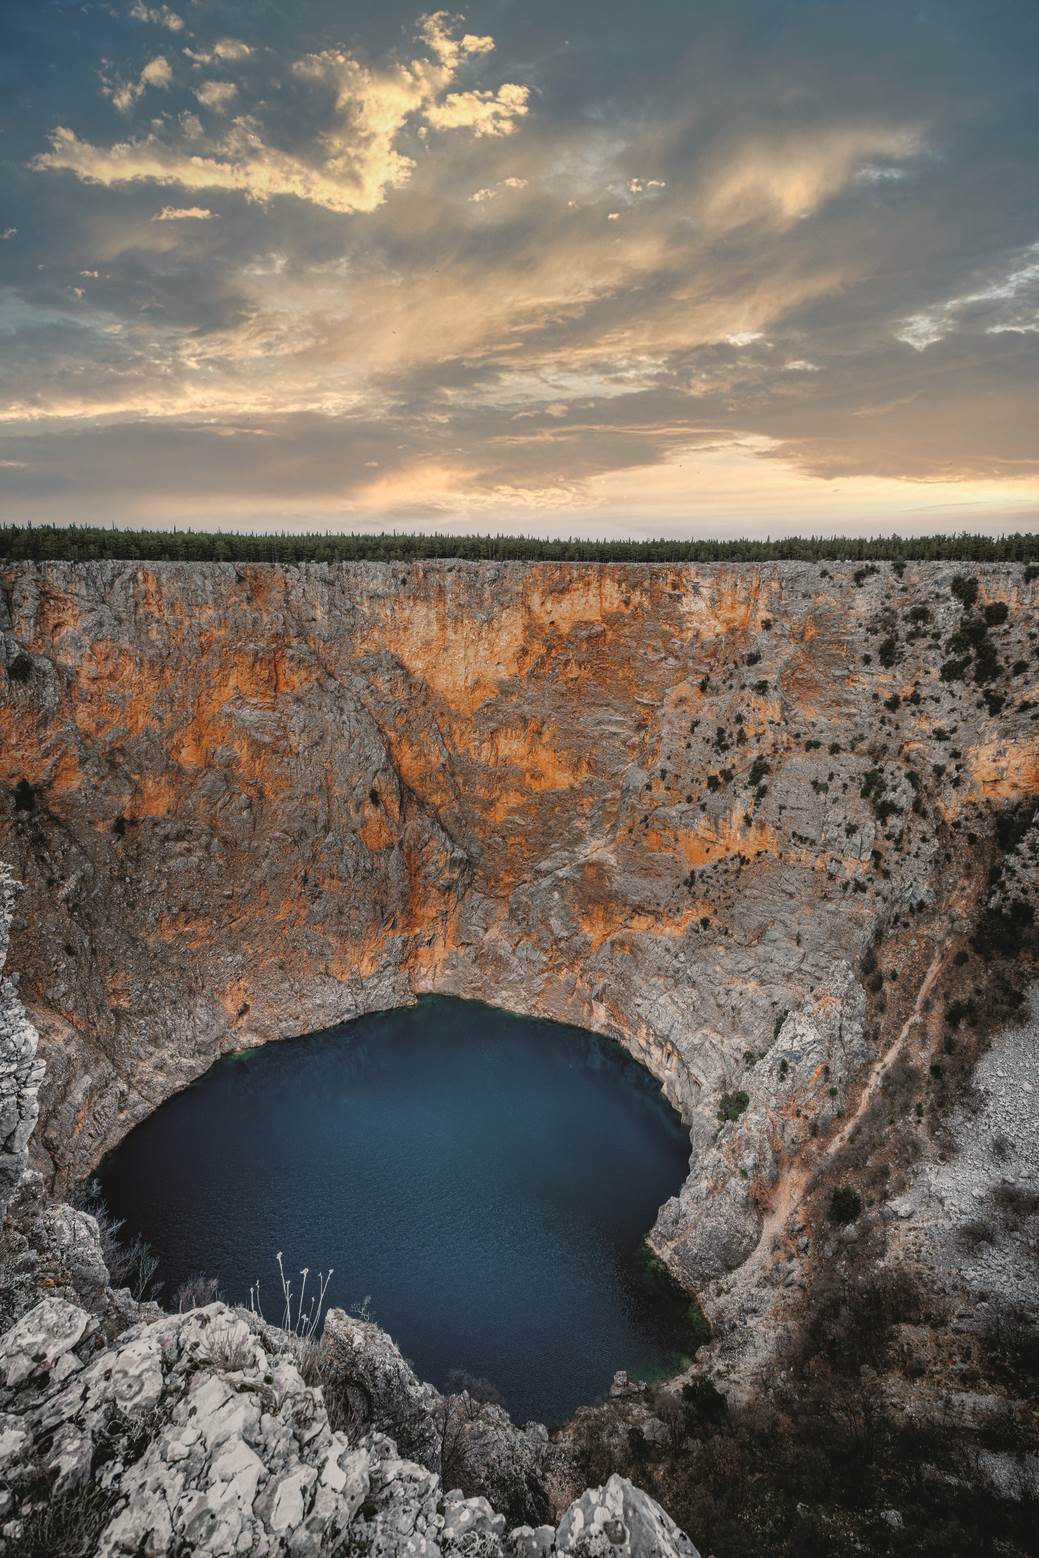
197, 1433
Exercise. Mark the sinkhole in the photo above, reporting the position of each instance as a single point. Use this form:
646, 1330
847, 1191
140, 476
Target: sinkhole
481, 1183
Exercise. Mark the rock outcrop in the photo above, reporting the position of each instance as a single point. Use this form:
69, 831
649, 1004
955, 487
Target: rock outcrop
21, 1071
196, 1433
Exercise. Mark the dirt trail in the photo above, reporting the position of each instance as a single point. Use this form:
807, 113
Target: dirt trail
792, 1186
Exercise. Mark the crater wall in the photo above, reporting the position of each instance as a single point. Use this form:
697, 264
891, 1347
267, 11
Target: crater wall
672, 804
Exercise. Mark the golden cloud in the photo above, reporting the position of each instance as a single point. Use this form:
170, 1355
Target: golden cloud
357, 162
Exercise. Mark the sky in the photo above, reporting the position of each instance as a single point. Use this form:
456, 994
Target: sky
684, 267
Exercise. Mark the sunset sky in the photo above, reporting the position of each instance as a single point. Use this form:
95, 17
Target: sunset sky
685, 267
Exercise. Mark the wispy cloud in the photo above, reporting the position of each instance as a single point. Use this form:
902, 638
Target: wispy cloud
125, 93
157, 15
218, 95
492, 191
1002, 304
183, 214
224, 52
784, 179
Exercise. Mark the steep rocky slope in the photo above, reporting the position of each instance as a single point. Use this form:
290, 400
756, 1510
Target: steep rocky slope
750, 821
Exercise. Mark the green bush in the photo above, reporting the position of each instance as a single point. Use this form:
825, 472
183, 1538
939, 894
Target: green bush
732, 1105
965, 589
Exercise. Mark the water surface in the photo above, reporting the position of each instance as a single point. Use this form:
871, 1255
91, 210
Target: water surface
484, 1180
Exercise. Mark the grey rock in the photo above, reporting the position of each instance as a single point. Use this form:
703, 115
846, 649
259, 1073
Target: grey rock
618, 1520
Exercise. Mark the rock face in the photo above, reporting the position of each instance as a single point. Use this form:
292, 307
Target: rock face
196, 1433
21, 1072
666, 803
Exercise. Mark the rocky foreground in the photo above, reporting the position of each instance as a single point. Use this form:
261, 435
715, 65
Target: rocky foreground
774, 828
196, 1434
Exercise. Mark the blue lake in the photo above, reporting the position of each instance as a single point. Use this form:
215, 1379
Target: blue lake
484, 1180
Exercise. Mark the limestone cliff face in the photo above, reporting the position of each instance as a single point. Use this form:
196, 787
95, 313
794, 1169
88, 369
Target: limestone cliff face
673, 804
21, 1072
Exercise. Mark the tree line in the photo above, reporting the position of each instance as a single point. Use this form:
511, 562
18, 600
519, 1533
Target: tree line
84, 543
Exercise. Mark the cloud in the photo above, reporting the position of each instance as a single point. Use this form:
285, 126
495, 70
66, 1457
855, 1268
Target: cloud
224, 51
485, 113
783, 179
218, 95
438, 30
124, 94
357, 161
492, 191
485, 341
8, 232
1001, 304
158, 15
184, 214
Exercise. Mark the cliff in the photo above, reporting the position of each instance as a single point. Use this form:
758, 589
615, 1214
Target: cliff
699, 808
248, 802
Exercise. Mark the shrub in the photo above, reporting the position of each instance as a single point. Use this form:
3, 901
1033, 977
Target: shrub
196, 1293
996, 613
732, 1105
230, 1347
965, 589
68, 1524
704, 1405
986, 663
24, 796
845, 1205
131, 1263
888, 652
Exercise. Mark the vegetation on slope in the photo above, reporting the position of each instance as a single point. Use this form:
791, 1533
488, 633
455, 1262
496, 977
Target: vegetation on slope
80, 543
889, 1401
